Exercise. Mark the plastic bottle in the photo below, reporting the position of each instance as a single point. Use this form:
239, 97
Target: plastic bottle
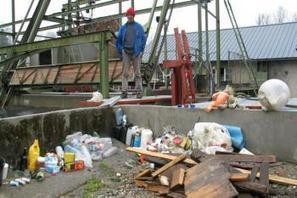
111, 151
60, 152
87, 156
119, 116
33, 155
24, 160
137, 140
146, 137
131, 131
5, 171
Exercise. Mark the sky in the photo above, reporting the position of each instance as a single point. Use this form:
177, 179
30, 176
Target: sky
246, 12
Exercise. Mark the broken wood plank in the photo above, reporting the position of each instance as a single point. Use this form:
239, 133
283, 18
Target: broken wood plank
254, 173
264, 174
158, 188
168, 165
146, 172
209, 179
139, 183
176, 195
247, 158
159, 155
252, 186
177, 178
238, 177
244, 165
274, 178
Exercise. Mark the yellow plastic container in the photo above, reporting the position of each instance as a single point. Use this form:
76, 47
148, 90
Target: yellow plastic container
33, 155
69, 158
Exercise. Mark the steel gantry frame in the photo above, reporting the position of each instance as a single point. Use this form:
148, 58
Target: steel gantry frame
65, 18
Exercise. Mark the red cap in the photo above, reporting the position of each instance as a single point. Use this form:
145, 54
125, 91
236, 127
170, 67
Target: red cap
130, 12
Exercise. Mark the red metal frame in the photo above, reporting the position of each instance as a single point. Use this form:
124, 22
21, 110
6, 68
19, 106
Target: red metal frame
182, 83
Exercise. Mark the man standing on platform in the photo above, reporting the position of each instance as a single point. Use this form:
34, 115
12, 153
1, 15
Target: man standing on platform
130, 44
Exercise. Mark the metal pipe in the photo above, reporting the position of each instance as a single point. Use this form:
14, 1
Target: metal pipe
13, 18
104, 77
210, 74
132, 4
166, 57
23, 22
156, 39
218, 45
120, 12
152, 13
200, 30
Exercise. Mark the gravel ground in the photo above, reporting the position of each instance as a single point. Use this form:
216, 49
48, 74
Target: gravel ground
114, 177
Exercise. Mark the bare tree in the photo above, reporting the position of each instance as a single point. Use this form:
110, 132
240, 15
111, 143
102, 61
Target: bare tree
263, 19
281, 15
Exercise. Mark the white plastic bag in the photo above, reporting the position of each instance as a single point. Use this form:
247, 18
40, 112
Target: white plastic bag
97, 97
207, 134
274, 94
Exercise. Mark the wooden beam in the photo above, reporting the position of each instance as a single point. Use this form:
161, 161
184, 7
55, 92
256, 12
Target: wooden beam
247, 158
238, 177
274, 178
159, 155
168, 165
178, 178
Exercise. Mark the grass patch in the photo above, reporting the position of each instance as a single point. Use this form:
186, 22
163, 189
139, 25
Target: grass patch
104, 166
93, 185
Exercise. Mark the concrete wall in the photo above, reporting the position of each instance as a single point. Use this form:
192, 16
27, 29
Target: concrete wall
286, 71
265, 132
50, 128
49, 100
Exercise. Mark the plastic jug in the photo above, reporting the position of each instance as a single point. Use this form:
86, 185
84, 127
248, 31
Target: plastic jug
131, 131
119, 116
33, 155
146, 137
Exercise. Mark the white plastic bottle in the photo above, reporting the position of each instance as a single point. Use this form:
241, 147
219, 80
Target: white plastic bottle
5, 171
131, 131
87, 157
60, 152
146, 137
111, 151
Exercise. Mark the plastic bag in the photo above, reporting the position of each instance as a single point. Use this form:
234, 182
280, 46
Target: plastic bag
274, 94
206, 134
97, 97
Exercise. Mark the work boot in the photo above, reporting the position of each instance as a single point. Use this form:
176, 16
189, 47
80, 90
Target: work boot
124, 95
139, 94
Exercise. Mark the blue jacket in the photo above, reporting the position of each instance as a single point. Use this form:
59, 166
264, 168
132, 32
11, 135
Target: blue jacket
139, 42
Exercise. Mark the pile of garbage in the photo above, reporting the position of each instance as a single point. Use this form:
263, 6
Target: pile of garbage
77, 152
208, 137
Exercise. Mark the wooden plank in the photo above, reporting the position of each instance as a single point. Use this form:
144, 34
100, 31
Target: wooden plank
209, 179
146, 172
158, 188
237, 177
168, 165
254, 173
159, 155
247, 158
177, 178
251, 186
274, 178
264, 174
139, 183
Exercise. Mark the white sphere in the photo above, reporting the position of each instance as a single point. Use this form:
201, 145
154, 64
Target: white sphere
274, 94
